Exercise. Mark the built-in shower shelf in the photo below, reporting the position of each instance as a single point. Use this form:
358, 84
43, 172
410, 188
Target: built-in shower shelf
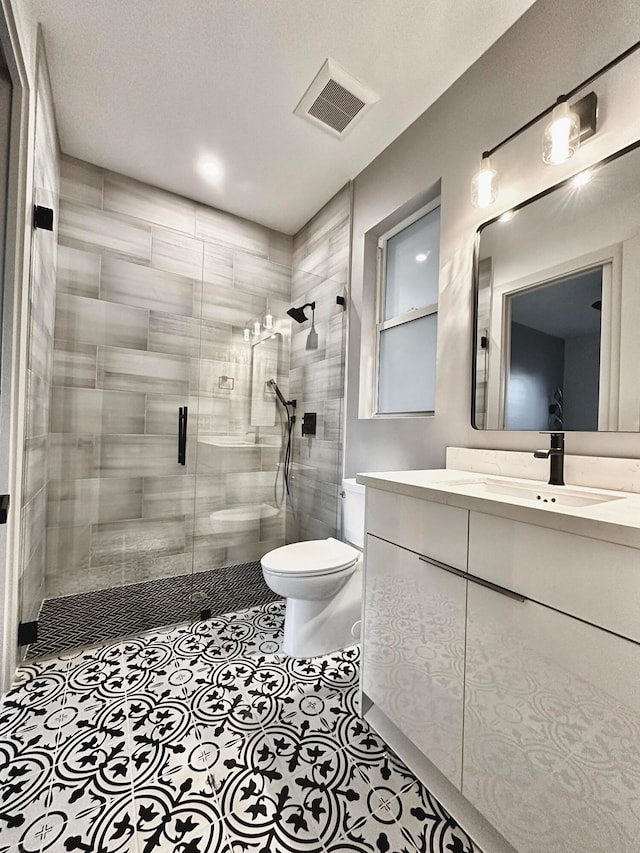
228, 441
237, 517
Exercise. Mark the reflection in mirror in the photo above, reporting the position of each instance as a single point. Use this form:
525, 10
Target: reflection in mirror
558, 307
265, 356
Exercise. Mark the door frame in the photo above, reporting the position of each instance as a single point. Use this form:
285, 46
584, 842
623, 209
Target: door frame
14, 273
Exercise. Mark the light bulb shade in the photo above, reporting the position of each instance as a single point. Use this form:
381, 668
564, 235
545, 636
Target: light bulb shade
561, 136
484, 185
268, 321
256, 327
247, 334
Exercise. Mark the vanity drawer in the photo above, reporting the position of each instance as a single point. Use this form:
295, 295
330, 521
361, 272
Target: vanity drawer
593, 580
428, 528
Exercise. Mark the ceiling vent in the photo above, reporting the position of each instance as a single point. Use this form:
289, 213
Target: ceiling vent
335, 100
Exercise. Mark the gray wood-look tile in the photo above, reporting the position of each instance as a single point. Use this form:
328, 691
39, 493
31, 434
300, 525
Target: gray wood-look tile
134, 542
188, 336
231, 305
255, 487
42, 295
86, 227
74, 364
96, 321
215, 226
93, 411
257, 275
32, 583
40, 356
78, 272
73, 456
227, 460
171, 497
217, 265
140, 456
35, 466
210, 416
207, 554
244, 553
68, 550
34, 514
215, 341
280, 249
79, 502
322, 381
142, 201
80, 181
161, 416
206, 375
133, 370
141, 286
177, 253
38, 395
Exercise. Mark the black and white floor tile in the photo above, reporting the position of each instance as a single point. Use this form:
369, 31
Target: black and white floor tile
205, 739
93, 617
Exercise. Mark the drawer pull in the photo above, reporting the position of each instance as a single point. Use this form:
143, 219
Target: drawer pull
494, 586
443, 566
489, 585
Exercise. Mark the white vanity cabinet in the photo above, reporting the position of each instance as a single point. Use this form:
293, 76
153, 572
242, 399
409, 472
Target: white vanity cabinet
413, 658
507, 654
552, 702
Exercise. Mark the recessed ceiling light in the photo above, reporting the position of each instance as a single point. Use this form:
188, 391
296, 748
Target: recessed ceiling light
422, 257
210, 169
582, 178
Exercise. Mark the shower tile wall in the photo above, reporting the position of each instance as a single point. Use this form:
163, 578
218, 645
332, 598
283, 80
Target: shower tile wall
153, 293
40, 353
320, 273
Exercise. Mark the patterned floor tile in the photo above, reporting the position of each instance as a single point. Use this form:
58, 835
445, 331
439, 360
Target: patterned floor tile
178, 812
205, 737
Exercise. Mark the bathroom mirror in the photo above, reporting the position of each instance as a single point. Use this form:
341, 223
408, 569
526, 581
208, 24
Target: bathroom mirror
557, 285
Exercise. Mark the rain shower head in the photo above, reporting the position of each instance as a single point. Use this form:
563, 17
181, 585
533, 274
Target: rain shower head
298, 313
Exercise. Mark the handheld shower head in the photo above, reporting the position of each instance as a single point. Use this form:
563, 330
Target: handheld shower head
298, 313
278, 392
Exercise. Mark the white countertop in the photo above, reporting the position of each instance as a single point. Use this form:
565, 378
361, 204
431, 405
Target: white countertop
616, 521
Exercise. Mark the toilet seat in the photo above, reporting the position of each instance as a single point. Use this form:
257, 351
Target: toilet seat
316, 557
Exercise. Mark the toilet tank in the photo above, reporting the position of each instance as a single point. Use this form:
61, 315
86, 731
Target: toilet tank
353, 513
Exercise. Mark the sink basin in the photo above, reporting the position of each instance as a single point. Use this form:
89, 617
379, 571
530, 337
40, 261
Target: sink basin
547, 496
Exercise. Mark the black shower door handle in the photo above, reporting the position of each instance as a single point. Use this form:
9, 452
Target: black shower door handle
182, 435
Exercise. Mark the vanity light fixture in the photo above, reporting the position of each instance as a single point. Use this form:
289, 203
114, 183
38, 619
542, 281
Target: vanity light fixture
484, 184
562, 135
268, 321
256, 327
560, 138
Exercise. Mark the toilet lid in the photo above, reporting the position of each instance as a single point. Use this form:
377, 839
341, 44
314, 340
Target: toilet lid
317, 557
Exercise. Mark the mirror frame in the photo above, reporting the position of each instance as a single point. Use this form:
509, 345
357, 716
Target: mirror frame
476, 270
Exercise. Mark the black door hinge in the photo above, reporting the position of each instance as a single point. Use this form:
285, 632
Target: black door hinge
4, 508
43, 217
27, 633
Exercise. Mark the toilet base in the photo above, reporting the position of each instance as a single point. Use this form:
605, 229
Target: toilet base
314, 628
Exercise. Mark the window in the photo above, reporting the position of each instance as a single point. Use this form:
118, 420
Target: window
407, 314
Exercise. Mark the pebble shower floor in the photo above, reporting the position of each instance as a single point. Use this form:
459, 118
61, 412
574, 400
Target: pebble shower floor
205, 739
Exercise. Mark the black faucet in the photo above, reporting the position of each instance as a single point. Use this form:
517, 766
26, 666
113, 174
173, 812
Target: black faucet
556, 456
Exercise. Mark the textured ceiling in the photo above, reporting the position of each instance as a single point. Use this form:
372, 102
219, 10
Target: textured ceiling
150, 87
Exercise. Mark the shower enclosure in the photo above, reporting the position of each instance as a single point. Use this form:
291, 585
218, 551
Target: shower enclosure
152, 299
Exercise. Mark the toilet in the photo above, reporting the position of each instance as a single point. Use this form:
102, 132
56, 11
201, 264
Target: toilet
322, 583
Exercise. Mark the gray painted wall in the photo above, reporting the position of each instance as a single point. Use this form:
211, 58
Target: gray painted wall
581, 380
536, 370
548, 51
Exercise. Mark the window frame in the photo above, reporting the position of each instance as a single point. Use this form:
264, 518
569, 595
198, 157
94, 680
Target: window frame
381, 324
